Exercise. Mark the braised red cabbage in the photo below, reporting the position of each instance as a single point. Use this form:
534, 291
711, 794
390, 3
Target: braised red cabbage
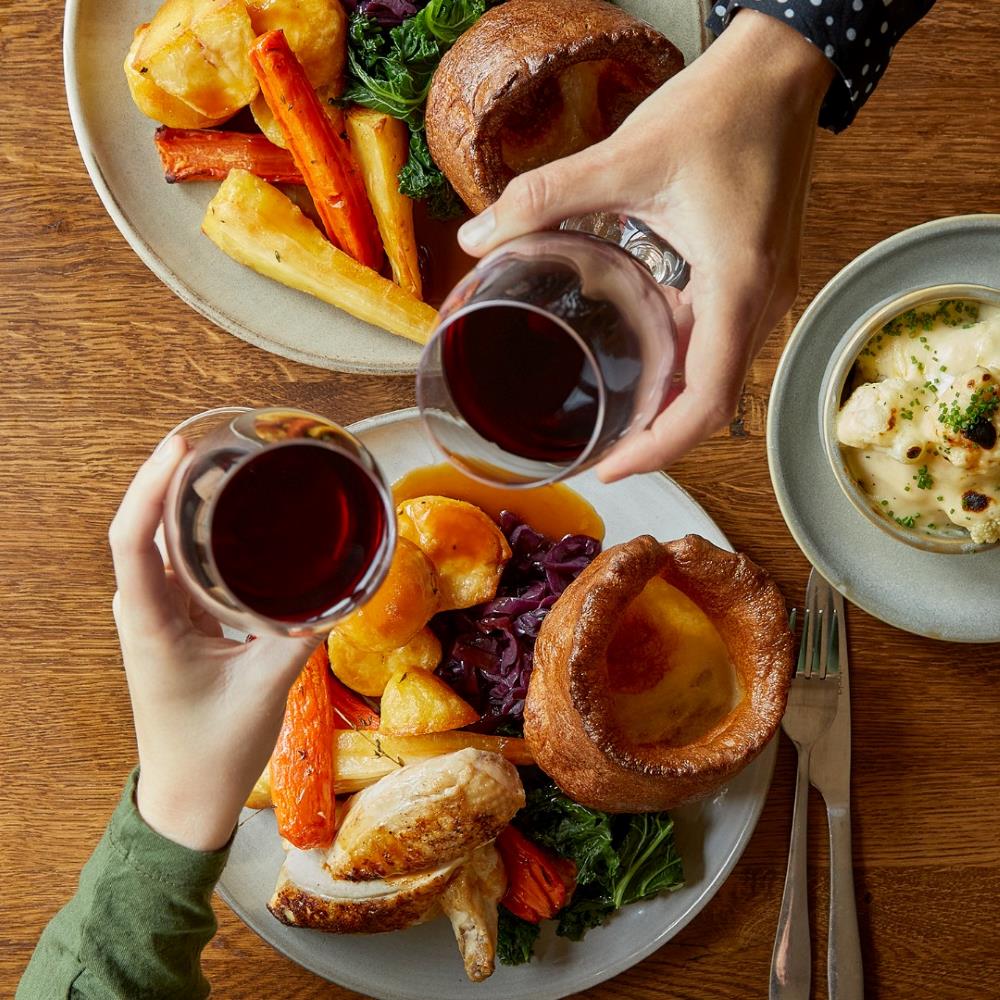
386, 12
488, 650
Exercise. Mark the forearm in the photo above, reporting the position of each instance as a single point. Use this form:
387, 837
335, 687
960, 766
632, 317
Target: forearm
138, 923
856, 36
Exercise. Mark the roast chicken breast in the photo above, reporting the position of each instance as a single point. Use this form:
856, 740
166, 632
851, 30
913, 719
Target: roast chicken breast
470, 902
425, 815
306, 896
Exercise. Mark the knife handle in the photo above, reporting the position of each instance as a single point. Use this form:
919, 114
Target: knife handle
843, 960
791, 961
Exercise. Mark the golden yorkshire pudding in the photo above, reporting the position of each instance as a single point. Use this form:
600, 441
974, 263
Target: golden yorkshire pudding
534, 80
661, 672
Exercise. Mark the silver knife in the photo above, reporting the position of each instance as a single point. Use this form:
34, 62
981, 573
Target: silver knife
830, 773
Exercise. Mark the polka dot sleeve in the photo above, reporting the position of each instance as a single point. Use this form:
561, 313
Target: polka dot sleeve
857, 36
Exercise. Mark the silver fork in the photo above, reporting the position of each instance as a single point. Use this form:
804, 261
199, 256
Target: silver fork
812, 706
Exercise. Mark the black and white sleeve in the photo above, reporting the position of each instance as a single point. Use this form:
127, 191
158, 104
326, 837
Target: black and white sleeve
857, 36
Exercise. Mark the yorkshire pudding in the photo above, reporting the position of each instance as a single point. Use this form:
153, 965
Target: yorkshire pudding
534, 80
661, 672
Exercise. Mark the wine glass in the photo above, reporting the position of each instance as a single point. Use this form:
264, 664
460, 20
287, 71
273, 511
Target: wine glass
552, 350
277, 520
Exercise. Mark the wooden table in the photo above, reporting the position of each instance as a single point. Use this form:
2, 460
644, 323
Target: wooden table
99, 359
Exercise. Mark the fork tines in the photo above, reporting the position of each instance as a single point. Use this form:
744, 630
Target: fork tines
820, 646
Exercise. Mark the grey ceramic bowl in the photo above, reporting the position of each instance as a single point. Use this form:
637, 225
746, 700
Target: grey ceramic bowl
949, 541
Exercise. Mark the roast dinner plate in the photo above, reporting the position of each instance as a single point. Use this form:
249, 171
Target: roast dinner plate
942, 596
162, 221
423, 961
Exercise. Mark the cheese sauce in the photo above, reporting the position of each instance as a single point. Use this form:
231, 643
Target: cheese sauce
920, 429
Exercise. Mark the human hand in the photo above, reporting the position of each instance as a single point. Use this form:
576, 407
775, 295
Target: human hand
717, 162
207, 709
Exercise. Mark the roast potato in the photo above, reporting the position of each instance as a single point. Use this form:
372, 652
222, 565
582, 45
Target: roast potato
368, 671
155, 102
416, 702
466, 547
198, 51
401, 606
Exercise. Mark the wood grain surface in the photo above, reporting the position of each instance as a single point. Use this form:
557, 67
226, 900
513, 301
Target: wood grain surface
99, 359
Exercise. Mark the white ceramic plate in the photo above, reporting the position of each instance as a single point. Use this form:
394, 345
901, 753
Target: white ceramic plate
162, 222
424, 961
952, 597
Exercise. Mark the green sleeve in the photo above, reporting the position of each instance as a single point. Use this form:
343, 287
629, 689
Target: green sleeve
139, 920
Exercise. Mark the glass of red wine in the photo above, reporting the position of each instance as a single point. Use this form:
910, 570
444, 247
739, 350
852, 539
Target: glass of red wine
277, 520
552, 350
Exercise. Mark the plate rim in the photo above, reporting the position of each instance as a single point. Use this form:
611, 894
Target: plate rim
765, 761
779, 387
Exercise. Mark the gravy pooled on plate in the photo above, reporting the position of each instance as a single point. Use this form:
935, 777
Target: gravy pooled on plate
920, 427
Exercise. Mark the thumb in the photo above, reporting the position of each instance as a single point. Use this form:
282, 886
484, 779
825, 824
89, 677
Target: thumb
275, 662
542, 198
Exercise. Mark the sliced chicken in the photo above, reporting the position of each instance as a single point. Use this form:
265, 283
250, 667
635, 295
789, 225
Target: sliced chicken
306, 896
425, 815
470, 902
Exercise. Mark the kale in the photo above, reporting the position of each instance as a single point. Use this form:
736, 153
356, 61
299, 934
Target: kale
421, 180
515, 938
620, 859
390, 70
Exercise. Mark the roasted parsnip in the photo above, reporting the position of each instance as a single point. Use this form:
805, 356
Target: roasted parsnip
255, 224
364, 757
381, 146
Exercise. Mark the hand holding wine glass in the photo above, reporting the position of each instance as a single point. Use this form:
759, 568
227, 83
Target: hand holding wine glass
717, 162
207, 709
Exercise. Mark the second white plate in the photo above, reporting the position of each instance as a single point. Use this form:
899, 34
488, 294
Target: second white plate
424, 961
162, 222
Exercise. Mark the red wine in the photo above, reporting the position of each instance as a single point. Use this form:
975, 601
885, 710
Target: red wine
522, 381
295, 530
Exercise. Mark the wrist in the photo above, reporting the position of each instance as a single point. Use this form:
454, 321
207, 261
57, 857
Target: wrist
771, 51
191, 821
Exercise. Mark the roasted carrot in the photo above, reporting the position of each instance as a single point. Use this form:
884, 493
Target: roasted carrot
351, 709
190, 154
320, 151
302, 766
539, 883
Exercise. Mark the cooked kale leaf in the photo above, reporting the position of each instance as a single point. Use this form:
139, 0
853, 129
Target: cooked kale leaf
620, 859
515, 938
390, 70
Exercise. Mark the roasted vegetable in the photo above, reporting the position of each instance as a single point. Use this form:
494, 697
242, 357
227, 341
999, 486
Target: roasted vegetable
416, 702
321, 153
189, 154
539, 883
364, 757
379, 143
317, 33
368, 671
390, 70
197, 51
302, 765
255, 224
155, 102
349, 709
403, 604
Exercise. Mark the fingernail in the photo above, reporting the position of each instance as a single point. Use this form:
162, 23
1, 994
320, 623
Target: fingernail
165, 450
477, 231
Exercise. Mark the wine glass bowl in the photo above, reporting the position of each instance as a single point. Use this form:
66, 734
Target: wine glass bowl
552, 350
277, 520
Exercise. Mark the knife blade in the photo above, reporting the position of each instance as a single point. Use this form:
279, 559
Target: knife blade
830, 774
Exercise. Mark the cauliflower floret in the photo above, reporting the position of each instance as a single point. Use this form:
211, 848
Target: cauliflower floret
968, 419
880, 415
987, 530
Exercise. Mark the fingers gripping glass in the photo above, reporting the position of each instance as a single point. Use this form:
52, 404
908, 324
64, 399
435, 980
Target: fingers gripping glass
553, 349
277, 520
